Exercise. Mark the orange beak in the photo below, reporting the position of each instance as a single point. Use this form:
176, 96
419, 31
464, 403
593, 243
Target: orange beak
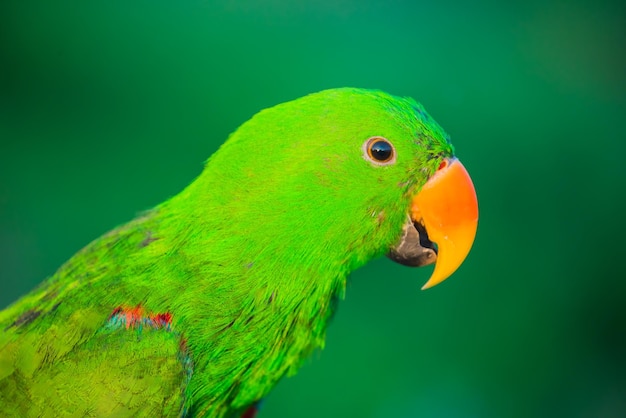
448, 209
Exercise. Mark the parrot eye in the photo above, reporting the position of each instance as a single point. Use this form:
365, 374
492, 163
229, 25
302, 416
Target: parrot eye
379, 151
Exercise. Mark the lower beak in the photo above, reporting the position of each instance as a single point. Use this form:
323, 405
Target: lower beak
445, 212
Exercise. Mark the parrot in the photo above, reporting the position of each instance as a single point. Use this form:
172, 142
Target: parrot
198, 306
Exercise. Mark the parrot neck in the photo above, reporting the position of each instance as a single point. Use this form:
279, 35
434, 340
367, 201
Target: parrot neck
254, 290
257, 260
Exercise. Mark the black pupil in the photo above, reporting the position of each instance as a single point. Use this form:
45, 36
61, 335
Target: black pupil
381, 150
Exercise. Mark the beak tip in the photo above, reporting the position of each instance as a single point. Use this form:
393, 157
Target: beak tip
432, 282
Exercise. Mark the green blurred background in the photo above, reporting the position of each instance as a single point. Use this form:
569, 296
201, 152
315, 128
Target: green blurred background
109, 107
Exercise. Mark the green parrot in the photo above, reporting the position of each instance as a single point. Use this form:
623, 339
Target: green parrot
199, 306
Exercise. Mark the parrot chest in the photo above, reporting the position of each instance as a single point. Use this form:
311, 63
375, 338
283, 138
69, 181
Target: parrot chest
250, 354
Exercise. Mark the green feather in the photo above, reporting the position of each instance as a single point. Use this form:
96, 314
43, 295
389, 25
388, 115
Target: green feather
247, 260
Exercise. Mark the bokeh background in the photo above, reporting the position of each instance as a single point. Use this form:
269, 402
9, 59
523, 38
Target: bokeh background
109, 107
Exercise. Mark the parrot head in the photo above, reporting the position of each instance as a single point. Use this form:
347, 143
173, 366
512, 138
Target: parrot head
345, 175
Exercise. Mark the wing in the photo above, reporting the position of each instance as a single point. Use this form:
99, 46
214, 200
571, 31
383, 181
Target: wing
122, 370
69, 348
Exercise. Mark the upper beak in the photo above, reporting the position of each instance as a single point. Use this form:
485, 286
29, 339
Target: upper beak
445, 211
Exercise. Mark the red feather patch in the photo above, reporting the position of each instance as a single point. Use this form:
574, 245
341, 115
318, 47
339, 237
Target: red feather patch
133, 317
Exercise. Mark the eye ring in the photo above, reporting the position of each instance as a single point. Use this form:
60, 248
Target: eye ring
379, 151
